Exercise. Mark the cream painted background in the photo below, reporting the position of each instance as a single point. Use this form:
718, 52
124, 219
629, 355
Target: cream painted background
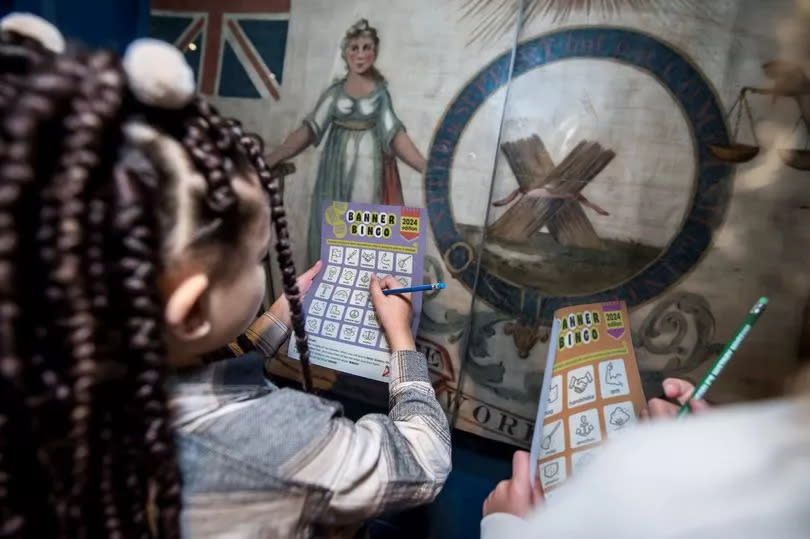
425, 55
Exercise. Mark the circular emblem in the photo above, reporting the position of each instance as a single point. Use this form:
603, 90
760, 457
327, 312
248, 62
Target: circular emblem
705, 209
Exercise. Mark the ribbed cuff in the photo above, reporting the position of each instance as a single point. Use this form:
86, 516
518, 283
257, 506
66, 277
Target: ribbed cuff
408, 366
267, 334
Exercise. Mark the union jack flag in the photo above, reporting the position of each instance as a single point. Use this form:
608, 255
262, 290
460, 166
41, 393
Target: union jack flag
235, 47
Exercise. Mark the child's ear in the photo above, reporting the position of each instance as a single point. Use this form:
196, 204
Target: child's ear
186, 309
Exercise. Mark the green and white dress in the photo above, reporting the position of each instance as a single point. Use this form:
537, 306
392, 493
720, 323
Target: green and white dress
357, 163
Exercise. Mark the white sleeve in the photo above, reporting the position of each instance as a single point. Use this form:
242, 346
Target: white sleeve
319, 119
503, 526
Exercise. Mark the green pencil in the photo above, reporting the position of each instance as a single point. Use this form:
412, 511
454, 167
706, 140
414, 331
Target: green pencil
725, 356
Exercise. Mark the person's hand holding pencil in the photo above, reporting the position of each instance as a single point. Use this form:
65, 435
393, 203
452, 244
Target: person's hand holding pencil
675, 391
690, 396
394, 313
417, 288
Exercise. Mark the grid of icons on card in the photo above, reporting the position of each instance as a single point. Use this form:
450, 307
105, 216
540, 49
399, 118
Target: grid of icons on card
341, 308
592, 403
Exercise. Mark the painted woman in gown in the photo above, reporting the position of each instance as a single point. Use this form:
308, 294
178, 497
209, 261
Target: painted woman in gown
365, 136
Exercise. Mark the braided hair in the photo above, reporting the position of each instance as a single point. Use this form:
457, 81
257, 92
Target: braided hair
86, 448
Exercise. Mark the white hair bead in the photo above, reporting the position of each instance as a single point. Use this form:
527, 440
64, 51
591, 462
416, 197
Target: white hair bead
36, 28
158, 74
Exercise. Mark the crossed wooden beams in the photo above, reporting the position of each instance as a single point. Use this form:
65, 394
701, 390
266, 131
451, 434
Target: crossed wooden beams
551, 195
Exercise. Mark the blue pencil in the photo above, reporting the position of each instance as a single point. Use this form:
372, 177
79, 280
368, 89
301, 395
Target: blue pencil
418, 288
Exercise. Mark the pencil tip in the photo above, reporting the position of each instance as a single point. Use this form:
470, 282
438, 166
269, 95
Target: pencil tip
440, 286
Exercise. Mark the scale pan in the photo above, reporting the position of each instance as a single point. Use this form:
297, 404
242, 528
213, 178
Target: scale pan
798, 159
734, 153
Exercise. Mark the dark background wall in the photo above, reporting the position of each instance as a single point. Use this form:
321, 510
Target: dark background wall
108, 23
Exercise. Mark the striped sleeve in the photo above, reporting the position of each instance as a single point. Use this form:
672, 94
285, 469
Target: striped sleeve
265, 335
382, 462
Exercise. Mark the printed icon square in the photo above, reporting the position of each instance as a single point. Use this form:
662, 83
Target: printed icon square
555, 396
341, 294
354, 315
582, 459
584, 428
313, 325
404, 263
386, 261
335, 311
552, 472
331, 274
618, 417
352, 256
324, 291
383, 276
369, 336
613, 378
330, 329
335, 255
347, 276
359, 298
581, 386
317, 307
553, 439
364, 279
368, 258
371, 320
348, 333
404, 280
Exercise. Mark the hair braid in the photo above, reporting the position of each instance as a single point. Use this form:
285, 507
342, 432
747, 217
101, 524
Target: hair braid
83, 418
136, 226
20, 55
121, 485
22, 127
278, 214
209, 130
209, 156
93, 108
114, 496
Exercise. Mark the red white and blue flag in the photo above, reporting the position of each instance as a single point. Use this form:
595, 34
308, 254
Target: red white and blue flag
236, 47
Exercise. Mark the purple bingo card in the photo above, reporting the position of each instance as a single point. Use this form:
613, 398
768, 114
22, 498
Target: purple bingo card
358, 241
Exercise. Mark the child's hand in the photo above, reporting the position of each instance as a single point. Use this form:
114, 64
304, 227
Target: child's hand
394, 313
515, 496
677, 390
281, 307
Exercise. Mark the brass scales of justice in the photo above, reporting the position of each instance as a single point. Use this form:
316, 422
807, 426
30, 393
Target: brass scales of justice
789, 80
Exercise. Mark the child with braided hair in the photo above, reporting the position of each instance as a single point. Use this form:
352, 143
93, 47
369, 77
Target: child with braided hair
133, 224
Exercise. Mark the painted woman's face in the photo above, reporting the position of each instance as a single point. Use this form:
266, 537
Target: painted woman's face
360, 54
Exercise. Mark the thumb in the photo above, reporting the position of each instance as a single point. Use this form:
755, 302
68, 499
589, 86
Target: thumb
313, 271
306, 278
537, 492
699, 405
520, 471
680, 390
376, 291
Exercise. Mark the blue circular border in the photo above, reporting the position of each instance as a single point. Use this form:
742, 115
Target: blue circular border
704, 116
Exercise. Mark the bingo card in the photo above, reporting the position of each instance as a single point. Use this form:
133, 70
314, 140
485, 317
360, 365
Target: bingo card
593, 390
358, 241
